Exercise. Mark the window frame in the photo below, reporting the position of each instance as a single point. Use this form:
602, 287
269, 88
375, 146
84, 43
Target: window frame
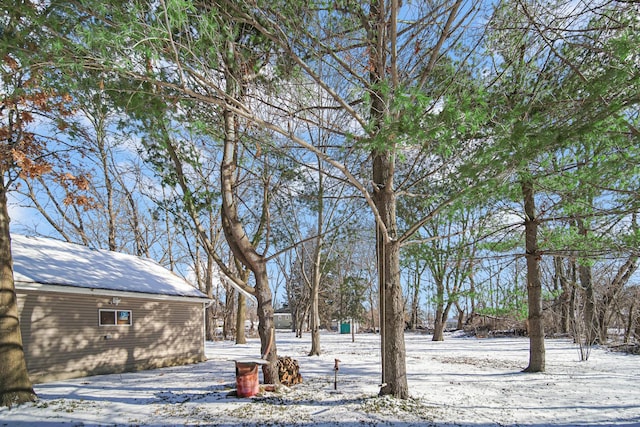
116, 313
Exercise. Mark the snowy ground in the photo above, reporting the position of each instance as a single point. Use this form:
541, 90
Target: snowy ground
461, 382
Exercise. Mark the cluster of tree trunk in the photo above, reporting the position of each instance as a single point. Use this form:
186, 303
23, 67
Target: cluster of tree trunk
228, 83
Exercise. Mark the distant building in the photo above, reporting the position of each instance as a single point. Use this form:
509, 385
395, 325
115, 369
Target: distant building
87, 312
282, 318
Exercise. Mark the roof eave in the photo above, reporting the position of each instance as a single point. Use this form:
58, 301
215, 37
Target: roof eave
34, 286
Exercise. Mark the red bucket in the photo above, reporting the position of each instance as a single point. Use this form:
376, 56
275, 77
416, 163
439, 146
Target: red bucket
247, 383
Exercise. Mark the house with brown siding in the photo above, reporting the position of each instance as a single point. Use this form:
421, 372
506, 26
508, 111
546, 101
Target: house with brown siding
88, 312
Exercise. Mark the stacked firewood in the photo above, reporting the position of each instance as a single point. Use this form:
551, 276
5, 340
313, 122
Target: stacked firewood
289, 371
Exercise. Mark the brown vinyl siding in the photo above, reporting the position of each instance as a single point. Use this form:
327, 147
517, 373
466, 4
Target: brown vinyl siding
62, 337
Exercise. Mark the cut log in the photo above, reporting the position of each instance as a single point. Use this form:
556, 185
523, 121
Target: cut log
289, 371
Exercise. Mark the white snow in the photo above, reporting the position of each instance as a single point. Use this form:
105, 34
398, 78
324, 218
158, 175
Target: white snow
462, 381
38, 260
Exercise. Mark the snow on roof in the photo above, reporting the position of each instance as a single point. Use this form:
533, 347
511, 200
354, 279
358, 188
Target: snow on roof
53, 262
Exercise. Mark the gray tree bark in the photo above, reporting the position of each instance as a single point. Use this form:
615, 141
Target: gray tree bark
392, 322
15, 385
534, 285
236, 236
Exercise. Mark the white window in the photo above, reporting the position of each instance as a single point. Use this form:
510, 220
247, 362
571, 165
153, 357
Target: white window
114, 317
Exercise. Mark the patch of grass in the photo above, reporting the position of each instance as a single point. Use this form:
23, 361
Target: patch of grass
402, 408
271, 411
60, 405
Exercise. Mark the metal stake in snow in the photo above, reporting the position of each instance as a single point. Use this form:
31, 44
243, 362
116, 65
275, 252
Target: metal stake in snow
336, 368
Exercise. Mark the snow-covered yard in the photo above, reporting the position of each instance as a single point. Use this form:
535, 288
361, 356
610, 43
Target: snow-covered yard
461, 381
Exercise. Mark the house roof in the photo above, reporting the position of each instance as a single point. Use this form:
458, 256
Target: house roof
38, 260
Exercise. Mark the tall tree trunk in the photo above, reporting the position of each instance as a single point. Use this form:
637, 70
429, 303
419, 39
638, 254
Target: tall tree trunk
142, 247
314, 318
586, 282
15, 385
245, 252
241, 309
303, 321
572, 298
169, 240
415, 300
241, 317
442, 314
373, 314
235, 233
394, 369
460, 316
210, 326
211, 322
391, 299
101, 136
266, 327
438, 323
472, 292
534, 285
630, 318
622, 277
295, 319
317, 271
229, 311
590, 319
563, 286
383, 32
